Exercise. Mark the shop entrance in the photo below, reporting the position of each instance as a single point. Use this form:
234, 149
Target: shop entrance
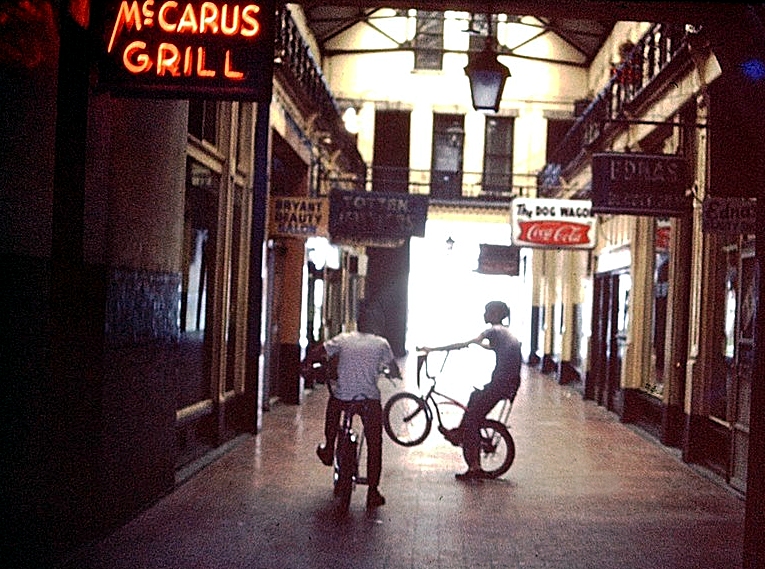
730, 387
611, 297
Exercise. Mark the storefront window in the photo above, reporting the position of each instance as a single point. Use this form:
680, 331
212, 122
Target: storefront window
625, 286
725, 370
655, 383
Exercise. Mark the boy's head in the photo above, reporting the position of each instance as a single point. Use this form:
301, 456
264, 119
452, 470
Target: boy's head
496, 312
370, 319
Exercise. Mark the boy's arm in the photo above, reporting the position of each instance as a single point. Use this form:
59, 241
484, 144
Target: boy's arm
393, 369
457, 346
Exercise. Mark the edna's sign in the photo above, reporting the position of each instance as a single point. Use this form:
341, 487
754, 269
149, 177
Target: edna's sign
181, 49
641, 184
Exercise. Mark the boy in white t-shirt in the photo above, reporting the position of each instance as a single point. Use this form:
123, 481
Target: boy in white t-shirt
363, 355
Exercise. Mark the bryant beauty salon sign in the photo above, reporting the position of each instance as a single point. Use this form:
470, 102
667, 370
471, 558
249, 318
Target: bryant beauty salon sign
553, 224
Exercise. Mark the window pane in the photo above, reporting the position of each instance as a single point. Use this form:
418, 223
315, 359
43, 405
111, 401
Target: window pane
196, 118
498, 155
448, 138
428, 40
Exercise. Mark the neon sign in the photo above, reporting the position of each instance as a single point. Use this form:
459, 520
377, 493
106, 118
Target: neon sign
215, 49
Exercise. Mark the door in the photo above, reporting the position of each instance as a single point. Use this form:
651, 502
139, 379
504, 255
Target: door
610, 322
729, 391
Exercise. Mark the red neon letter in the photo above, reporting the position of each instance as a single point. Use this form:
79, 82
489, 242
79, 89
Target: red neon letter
128, 15
233, 28
142, 61
168, 58
208, 16
163, 10
249, 18
228, 72
188, 22
201, 71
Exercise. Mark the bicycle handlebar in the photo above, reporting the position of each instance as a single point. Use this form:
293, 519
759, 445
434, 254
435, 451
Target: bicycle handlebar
422, 360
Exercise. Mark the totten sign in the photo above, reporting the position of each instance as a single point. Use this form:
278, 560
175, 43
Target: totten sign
221, 49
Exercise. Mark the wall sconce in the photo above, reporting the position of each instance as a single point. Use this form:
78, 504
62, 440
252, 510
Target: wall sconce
487, 75
351, 120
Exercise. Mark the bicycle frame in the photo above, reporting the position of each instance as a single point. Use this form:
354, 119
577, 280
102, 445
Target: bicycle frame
347, 433
429, 396
348, 449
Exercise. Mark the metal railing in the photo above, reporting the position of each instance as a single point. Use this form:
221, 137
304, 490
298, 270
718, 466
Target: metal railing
659, 47
295, 64
441, 185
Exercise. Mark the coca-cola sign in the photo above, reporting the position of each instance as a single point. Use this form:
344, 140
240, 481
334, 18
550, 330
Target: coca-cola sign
553, 224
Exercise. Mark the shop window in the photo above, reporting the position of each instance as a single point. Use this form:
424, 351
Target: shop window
203, 120
498, 155
662, 230
200, 221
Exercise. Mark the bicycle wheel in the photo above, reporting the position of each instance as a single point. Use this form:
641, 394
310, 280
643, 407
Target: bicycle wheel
345, 469
407, 419
497, 448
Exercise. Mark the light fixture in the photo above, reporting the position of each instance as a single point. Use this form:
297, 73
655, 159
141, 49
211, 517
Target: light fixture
351, 120
487, 76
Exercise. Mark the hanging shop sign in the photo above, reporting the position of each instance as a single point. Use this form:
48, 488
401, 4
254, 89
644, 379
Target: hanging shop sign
499, 260
222, 49
737, 216
553, 224
641, 184
376, 218
298, 217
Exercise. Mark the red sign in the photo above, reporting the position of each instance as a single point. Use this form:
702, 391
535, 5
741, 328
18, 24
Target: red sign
554, 233
183, 49
553, 223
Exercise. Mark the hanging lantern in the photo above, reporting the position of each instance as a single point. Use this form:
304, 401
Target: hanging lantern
487, 78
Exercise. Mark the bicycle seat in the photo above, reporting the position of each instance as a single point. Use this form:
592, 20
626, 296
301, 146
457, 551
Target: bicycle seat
355, 406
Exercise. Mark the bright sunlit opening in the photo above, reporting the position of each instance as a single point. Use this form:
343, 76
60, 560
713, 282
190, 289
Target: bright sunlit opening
447, 296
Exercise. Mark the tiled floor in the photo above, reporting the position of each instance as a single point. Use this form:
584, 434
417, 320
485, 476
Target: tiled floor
584, 492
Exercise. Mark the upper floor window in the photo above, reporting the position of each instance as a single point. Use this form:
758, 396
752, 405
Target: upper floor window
498, 155
446, 167
203, 120
428, 40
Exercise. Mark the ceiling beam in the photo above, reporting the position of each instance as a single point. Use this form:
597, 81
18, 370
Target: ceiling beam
626, 10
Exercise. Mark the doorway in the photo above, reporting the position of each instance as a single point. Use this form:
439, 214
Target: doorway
610, 323
730, 388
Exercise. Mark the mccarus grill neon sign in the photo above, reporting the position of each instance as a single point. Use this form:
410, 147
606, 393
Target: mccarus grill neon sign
182, 49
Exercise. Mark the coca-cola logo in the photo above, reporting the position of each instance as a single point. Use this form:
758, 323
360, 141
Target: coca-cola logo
554, 233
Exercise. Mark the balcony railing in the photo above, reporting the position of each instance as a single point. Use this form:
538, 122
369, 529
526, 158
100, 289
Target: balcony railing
441, 186
660, 48
301, 74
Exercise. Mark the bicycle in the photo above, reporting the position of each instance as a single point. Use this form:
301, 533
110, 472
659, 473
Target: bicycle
408, 419
347, 458
349, 449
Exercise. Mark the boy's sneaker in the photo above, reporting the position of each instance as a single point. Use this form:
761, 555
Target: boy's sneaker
471, 475
374, 499
325, 455
454, 436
